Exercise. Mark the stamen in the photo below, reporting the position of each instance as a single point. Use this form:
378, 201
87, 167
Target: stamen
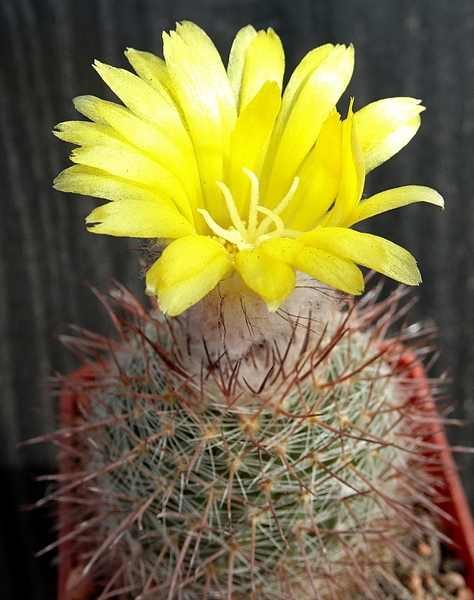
253, 203
233, 236
288, 198
233, 212
265, 224
273, 219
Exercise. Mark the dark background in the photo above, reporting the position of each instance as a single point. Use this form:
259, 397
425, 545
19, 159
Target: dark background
420, 48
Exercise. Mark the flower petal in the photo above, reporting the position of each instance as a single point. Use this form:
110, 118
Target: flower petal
148, 138
296, 135
385, 127
249, 141
134, 166
188, 269
145, 101
282, 249
142, 219
237, 56
331, 269
264, 61
80, 179
272, 280
87, 106
84, 133
123, 131
394, 198
367, 250
203, 90
320, 177
151, 69
305, 69
142, 134
352, 175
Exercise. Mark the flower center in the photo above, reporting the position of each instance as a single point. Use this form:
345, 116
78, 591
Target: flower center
251, 233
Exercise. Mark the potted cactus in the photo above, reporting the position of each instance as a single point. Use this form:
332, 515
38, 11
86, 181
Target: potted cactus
259, 434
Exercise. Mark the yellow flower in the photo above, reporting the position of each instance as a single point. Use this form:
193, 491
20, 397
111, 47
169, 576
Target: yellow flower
235, 176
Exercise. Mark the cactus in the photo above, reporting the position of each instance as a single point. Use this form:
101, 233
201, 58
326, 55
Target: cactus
256, 438
290, 470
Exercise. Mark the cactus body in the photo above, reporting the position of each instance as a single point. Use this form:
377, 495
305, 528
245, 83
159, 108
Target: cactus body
284, 467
